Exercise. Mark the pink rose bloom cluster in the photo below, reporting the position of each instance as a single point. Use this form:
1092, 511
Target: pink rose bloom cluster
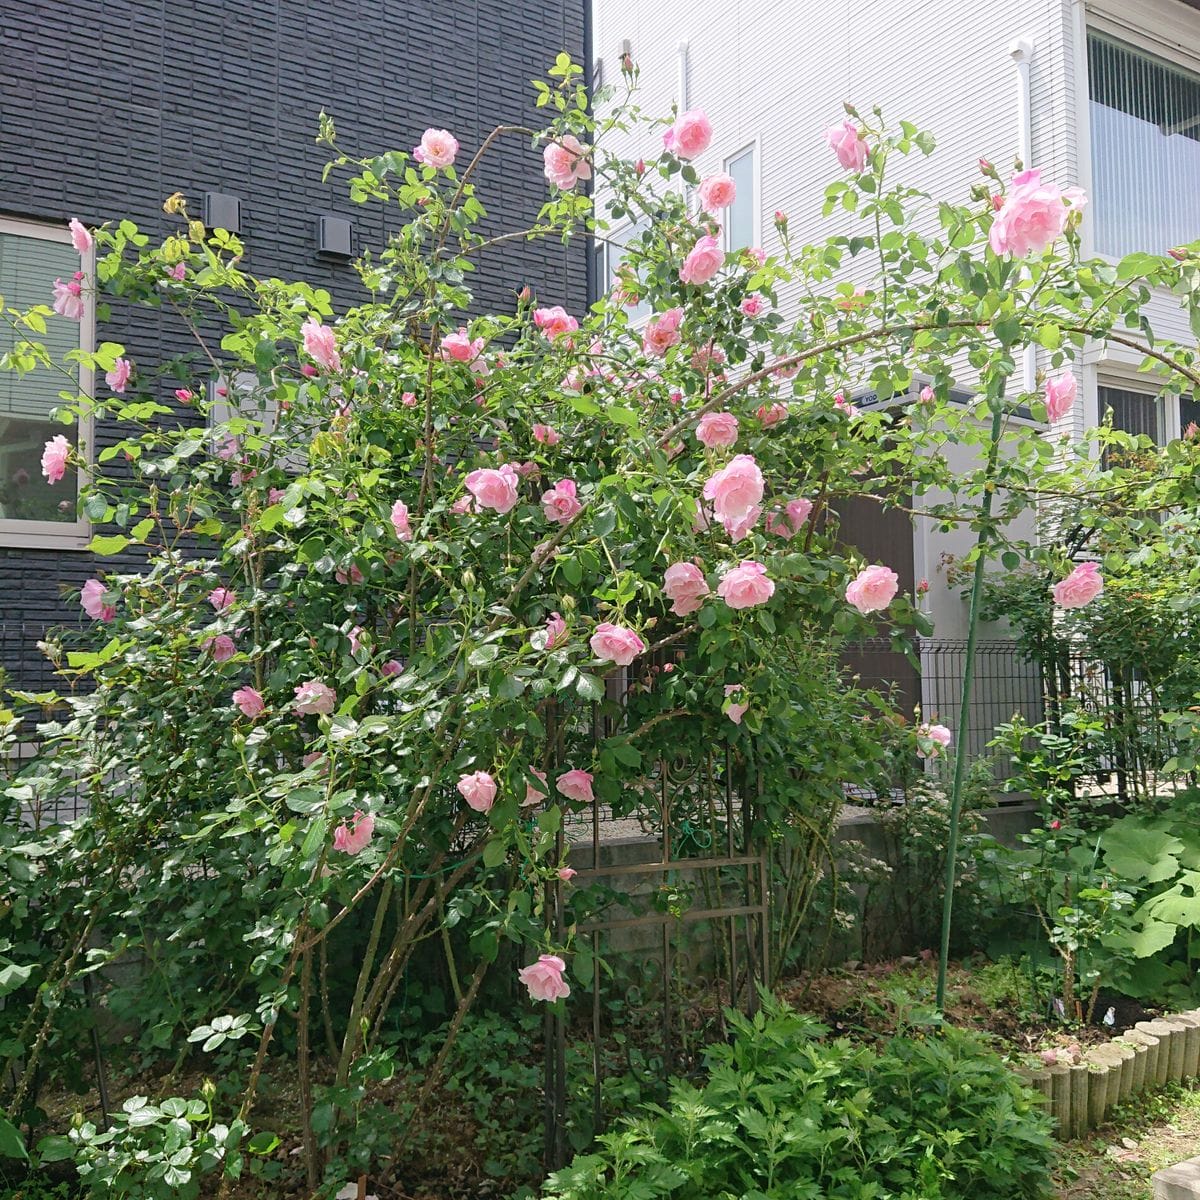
746, 585
222, 598
460, 347
222, 647
544, 978
560, 503
118, 378
545, 435
68, 298
752, 306
478, 789
873, 589
554, 321
556, 630
848, 144
704, 260
565, 162
690, 135
616, 644
1060, 396
1032, 215
81, 239
717, 429
685, 586
495, 487
314, 697
353, 838
534, 795
249, 701
321, 345
1079, 588
736, 492
771, 414
717, 192
95, 602
54, 458
437, 148
662, 332
939, 735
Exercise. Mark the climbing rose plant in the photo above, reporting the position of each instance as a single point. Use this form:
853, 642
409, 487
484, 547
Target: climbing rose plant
403, 585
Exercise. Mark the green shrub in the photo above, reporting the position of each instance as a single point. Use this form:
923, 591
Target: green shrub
934, 1115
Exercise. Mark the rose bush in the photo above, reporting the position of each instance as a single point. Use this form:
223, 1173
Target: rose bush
475, 572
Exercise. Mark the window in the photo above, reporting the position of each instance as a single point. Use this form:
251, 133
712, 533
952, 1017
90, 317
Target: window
1145, 119
34, 513
1133, 412
741, 221
609, 257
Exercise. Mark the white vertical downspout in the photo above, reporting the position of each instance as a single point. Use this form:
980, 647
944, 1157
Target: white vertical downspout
681, 86
1021, 51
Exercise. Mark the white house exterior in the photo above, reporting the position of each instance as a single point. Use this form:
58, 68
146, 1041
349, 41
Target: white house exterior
1100, 94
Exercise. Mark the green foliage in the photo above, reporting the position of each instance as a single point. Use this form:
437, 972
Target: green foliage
783, 1114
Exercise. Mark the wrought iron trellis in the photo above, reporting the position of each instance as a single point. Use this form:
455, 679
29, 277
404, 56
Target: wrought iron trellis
736, 903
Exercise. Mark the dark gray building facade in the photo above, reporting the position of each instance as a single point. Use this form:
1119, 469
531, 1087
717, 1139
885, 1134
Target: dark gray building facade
108, 106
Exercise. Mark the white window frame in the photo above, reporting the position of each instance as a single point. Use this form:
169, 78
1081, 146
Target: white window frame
754, 147
17, 534
610, 254
1160, 36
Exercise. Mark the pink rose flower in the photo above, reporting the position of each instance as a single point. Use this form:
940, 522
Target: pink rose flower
94, 600
771, 414
250, 701
1032, 215
460, 347
494, 488
355, 638
532, 795
400, 521
704, 260
616, 644
353, 575
118, 378
222, 647
685, 586
872, 589
178, 272
939, 735
565, 162
81, 239
408, 399
545, 435
391, 668
559, 503
576, 785
54, 458
544, 978
717, 192
848, 144
736, 488
735, 712
352, 838
844, 406
787, 524
556, 630
566, 874
752, 306
926, 395
1081, 587
68, 298
690, 135
746, 586
478, 789
221, 598
736, 528
717, 429
554, 321
1060, 396
708, 356
662, 332
314, 697
321, 345
437, 148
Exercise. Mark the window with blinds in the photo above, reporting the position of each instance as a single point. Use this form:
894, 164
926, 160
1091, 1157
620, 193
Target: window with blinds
1145, 132
740, 218
28, 269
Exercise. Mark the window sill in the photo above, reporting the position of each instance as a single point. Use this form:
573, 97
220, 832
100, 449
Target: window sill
73, 540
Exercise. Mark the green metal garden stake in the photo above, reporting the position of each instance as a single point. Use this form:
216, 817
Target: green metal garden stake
964, 712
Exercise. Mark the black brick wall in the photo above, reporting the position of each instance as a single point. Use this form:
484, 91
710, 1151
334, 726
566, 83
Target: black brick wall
108, 106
